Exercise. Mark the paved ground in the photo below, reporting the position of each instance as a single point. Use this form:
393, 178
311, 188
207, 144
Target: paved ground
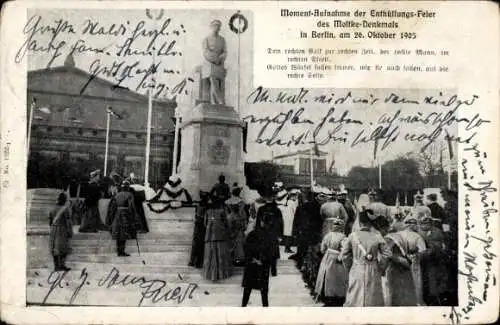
155, 278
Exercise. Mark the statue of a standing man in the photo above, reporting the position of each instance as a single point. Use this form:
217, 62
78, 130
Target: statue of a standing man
214, 52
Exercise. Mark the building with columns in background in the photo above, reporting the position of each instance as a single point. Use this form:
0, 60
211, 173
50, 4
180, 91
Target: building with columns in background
68, 131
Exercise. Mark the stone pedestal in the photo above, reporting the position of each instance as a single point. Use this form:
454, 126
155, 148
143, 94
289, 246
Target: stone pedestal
211, 144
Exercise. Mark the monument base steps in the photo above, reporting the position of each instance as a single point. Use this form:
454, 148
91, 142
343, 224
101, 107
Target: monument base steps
165, 251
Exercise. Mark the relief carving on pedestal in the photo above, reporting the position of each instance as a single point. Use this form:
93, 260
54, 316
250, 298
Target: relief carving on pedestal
219, 131
219, 153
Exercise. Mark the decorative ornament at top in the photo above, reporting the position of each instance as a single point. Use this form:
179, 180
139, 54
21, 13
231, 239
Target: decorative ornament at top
150, 15
235, 23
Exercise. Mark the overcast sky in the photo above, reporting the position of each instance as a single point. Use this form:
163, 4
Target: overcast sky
195, 23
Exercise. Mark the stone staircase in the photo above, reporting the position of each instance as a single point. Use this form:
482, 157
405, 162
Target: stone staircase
159, 276
39, 202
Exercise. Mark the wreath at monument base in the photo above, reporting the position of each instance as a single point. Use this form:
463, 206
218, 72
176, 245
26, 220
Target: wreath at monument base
169, 205
161, 210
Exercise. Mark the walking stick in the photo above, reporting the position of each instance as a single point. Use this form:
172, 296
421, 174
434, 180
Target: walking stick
139, 249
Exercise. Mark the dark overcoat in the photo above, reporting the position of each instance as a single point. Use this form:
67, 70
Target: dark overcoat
269, 217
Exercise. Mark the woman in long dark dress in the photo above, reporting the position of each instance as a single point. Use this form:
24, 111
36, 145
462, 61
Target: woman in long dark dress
258, 263
91, 221
217, 260
237, 218
198, 245
61, 231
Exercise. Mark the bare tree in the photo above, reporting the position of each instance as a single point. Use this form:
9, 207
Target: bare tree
431, 159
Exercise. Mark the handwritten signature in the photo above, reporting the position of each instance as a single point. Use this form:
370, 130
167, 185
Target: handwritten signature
154, 290
121, 60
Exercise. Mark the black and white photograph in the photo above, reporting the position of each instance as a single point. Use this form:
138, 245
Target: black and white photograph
196, 194
160, 170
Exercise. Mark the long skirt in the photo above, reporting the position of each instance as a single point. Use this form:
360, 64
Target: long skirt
311, 264
198, 245
91, 221
238, 252
332, 277
365, 285
217, 264
59, 243
238, 227
402, 287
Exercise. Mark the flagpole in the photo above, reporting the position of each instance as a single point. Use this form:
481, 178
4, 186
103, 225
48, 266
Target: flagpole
176, 141
30, 122
107, 143
148, 130
239, 66
311, 163
379, 175
449, 173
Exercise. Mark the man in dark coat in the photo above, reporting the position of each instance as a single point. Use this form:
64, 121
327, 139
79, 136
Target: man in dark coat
221, 189
269, 216
307, 226
434, 275
122, 218
437, 211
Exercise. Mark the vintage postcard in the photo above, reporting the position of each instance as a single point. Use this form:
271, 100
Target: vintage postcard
219, 162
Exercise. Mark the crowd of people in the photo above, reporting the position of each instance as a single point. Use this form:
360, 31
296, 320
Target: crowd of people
366, 254
351, 253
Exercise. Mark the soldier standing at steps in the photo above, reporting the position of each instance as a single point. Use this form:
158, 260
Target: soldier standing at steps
123, 218
61, 231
